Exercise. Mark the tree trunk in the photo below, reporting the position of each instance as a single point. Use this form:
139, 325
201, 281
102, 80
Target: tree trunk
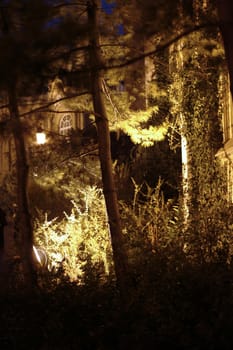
25, 230
110, 195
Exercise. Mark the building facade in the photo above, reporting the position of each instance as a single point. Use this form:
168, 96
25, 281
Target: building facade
225, 153
42, 117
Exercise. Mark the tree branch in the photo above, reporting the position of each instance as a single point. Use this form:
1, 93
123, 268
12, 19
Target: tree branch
162, 47
38, 109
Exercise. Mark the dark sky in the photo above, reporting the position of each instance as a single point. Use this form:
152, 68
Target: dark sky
108, 8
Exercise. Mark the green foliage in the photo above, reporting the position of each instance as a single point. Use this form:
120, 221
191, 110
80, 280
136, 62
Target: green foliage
158, 161
194, 96
80, 241
145, 136
177, 297
153, 225
183, 274
57, 171
149, 222
148, 17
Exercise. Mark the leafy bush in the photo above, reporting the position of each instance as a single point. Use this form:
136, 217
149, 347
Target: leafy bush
80, 238
149, 222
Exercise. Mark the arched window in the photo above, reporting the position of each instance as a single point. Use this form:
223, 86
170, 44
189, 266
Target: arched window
65, 125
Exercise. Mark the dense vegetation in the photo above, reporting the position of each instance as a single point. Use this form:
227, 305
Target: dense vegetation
180, 294
175, 303
177, 289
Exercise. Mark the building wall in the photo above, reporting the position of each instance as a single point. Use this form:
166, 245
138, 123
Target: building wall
225, 154
58, 121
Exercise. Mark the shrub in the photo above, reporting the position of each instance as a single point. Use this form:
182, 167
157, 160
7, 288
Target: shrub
79, 239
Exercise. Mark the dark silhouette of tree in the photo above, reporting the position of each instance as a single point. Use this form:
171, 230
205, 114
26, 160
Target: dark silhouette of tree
101, 118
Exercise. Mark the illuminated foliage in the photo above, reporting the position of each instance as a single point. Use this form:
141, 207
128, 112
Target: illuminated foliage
126, 112
80, 237
149, 222
145, 136
194, 96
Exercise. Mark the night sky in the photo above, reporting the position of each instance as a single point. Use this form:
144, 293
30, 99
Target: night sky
108, 8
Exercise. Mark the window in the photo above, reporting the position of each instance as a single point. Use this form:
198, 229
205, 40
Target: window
65, 125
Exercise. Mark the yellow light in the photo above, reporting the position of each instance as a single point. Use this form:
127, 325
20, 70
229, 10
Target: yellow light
40, 138
37, 255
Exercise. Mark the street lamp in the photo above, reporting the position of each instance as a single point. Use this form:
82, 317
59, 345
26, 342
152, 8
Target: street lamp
40, 137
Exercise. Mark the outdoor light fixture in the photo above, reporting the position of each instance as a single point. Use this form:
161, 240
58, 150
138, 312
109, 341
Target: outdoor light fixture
37, 255
40, 256
40, 137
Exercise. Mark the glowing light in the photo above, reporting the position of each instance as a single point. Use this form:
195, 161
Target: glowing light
37, 255
185, 176
40, 138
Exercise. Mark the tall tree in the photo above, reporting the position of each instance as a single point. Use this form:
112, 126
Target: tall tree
101, 118
25, 230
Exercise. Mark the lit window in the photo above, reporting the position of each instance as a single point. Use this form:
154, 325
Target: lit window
65, 125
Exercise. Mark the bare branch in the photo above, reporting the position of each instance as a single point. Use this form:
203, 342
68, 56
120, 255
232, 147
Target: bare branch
4, 106
68, 53
67, 111
139, 57
38, 109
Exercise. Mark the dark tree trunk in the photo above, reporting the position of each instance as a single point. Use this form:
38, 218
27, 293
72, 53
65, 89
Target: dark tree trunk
110, 195
225, 11
25, 230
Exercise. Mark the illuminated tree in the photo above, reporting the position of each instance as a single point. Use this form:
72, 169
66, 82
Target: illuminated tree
101, 118
195, 62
